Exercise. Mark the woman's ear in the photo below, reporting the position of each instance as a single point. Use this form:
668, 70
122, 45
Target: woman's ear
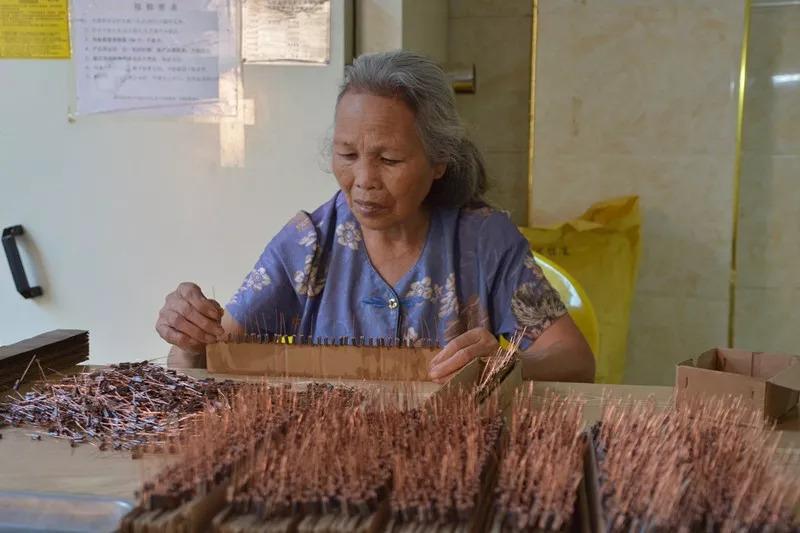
439, 170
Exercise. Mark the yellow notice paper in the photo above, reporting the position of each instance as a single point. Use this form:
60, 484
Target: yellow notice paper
34, 29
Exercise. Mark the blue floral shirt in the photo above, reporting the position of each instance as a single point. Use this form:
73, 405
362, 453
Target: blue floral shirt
476, 269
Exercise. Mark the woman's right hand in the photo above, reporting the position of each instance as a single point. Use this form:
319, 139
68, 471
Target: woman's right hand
189, 320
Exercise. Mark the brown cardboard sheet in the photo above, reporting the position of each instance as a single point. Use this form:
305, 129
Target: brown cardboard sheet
323, 362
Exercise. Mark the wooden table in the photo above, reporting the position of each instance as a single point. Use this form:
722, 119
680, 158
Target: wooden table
51, 465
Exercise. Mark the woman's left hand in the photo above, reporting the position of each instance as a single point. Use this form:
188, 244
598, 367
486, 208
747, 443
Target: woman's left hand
477, 342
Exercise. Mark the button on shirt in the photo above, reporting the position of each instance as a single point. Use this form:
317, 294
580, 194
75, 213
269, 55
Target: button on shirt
476, 269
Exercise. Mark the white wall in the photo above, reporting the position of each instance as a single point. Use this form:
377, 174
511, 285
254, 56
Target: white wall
119, 210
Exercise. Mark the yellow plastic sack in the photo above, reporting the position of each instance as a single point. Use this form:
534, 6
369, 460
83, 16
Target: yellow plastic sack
601, 250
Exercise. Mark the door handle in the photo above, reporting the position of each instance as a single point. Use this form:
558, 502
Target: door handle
15, 263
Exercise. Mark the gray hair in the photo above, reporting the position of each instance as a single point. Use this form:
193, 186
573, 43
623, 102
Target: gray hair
425, 88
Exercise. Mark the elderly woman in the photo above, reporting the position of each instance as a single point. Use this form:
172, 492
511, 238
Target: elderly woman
406, 248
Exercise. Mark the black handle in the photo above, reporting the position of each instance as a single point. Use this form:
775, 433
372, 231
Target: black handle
15, 263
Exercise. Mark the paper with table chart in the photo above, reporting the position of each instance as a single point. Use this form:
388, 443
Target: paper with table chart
286, 31
168, 57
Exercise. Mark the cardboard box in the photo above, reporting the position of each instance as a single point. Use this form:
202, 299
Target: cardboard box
768, 381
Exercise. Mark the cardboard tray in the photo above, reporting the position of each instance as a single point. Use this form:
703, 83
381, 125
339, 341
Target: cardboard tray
765, 381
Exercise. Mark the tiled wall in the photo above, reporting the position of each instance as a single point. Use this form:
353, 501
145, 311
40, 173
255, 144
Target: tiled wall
769, 246
495, 35
639, 97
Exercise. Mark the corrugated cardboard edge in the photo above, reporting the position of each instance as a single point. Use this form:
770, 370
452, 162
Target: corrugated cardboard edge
783, 391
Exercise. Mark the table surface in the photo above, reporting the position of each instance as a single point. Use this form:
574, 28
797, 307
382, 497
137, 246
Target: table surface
51, 465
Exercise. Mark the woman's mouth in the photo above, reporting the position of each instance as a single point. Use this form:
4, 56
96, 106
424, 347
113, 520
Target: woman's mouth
368, 209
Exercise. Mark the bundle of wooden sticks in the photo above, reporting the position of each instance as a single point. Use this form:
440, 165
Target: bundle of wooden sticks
444, 462
707, 466
542, 463
285, 459
334, 459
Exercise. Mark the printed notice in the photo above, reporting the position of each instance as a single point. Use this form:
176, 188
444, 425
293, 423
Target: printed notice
34, 29
286, 31
144, 55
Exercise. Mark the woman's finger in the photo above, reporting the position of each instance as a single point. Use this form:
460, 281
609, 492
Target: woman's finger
180, 323
458, 360
190, 312
176, 338
459, 343
192, 294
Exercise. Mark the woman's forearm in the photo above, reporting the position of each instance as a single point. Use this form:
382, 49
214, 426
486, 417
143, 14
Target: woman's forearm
561, 361
559, 354
179, 358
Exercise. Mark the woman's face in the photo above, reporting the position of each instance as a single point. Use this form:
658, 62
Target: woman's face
379, 160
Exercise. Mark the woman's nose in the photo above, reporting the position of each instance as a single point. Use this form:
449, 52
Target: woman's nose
367, 176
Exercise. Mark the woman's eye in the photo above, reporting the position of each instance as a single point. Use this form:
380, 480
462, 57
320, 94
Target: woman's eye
390, 161
347, 155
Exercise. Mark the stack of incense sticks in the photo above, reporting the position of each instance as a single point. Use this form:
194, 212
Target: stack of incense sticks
328, 457
542, 464
129, 406
275, 453
444, 462
710, 465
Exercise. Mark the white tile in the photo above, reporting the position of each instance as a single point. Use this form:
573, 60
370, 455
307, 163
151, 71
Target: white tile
766, 319
769, 222
772, 103
686, 212
637, 77
668, 329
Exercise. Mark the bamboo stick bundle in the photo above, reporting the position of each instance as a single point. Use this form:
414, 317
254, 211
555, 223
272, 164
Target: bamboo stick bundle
710, 466
542, 464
